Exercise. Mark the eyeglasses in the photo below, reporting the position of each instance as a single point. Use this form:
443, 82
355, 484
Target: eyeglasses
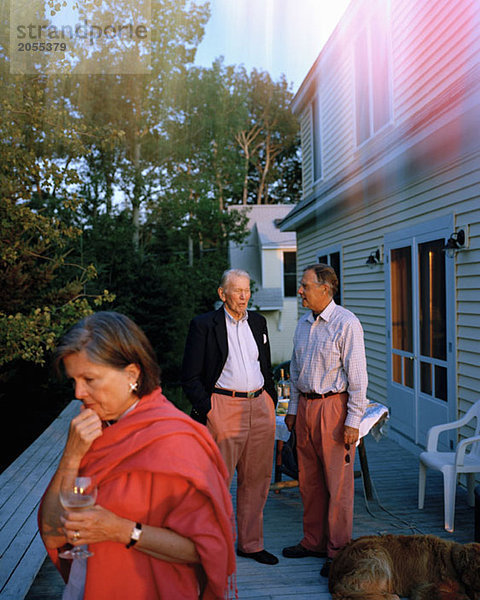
347, 455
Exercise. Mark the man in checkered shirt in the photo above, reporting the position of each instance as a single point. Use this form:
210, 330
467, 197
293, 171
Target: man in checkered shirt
328, 375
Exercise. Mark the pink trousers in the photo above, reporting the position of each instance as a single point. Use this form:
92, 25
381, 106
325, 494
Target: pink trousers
244, 429
325, 474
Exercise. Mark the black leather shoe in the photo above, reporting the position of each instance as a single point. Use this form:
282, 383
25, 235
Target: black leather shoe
300, 551
262, 556
325, 570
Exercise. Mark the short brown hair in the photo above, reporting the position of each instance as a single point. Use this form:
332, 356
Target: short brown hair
325, 274
112, 339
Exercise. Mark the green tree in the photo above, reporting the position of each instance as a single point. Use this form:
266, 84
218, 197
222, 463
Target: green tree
40, 290
269, 141
236, 133
135, 107
41, 286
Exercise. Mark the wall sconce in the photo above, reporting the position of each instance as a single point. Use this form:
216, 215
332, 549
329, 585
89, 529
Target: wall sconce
456, 241
375, 258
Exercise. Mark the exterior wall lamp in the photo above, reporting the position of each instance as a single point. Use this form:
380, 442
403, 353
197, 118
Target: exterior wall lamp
375, 258
456, 241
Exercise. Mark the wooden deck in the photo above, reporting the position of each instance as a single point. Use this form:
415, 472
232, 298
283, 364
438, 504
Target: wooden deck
394, 472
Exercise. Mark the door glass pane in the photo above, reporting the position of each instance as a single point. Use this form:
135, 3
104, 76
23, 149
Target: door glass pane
397, 368
441, 383
408, 368
426, 378
431, 262
401, 295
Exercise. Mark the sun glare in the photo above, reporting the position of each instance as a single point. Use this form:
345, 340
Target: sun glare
279, 36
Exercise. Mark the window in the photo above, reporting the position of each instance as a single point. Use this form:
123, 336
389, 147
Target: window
333, 259
372, 78
316, 140
289, 274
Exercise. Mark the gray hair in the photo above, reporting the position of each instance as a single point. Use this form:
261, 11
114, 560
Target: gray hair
229, 273
324, 274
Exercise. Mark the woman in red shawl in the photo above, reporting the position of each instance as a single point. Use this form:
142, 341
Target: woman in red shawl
162, 524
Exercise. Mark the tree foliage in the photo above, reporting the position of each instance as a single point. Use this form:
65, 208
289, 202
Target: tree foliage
122, 182
38, 285
237, 131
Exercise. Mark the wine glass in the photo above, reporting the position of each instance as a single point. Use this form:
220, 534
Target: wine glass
77, 493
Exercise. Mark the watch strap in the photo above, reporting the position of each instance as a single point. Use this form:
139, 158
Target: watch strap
135, 535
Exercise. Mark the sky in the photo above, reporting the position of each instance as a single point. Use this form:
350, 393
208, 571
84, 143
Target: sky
278, 36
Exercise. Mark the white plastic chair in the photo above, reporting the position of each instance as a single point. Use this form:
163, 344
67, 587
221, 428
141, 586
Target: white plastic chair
452, 463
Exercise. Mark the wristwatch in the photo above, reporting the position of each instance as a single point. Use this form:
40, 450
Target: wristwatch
135, 535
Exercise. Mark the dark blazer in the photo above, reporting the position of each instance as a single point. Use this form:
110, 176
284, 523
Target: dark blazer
206, 351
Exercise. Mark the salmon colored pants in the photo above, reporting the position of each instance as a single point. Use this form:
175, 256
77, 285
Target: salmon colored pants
244, 429
326, 479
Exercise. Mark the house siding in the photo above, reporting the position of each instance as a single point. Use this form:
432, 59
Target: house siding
337, 116
450, 191
421, 166
307, 154
434, 45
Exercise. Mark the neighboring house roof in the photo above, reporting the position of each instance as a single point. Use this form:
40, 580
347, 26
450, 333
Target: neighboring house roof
268, 299
264, 218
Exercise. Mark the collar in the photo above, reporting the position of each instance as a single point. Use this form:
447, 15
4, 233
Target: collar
325, 314
232, 320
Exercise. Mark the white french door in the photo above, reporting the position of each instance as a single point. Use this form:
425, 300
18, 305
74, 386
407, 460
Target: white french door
420, 329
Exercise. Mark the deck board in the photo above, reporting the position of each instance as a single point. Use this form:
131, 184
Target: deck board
22, 485
394, 472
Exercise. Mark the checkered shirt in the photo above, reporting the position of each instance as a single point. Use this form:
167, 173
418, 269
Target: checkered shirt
329, 355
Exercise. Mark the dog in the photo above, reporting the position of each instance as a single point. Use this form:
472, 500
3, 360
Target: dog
420, 567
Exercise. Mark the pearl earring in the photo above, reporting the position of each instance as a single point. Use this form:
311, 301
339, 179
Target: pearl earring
133, 386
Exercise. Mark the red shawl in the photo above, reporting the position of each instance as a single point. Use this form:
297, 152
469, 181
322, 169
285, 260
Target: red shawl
159, 467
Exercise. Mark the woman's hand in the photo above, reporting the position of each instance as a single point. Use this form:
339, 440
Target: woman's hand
95, 524
84, 429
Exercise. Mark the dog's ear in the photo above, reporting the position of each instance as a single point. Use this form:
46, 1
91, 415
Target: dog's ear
466, 559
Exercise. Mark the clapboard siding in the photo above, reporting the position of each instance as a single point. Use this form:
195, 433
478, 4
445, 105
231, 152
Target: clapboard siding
364, 289
337, 115
434, 47
307, 156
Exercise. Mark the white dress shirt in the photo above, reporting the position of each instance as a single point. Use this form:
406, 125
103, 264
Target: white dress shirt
241, 371
329, 356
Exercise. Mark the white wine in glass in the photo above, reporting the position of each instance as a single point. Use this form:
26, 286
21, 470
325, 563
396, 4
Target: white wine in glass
77, 493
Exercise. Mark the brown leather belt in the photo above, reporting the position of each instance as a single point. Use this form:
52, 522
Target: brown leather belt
315, 396
235, 394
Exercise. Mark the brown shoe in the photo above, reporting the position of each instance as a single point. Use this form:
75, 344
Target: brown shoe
300, 551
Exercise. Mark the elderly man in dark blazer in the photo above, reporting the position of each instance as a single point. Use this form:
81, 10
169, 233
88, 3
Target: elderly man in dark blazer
227, 376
